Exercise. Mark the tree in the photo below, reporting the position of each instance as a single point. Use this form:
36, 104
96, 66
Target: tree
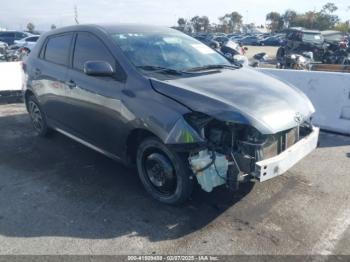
224, 26
200, 23
236, 20
231, 22
343, 27
329, 8
311, 18
289, 17
53, 26
30, 27
181, 22
275, 21
325, 19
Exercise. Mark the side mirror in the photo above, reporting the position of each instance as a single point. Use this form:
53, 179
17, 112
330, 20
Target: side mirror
98, 68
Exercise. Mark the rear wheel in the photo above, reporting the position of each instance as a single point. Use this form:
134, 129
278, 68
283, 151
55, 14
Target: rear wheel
37, 117
164, 174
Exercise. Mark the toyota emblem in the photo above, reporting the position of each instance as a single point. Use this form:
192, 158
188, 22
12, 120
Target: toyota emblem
298, 118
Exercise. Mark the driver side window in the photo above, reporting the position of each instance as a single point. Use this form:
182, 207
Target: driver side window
89, 48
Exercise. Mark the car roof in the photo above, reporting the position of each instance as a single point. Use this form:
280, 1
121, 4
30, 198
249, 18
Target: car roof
114, 28
304, 30
330, 32
15, 31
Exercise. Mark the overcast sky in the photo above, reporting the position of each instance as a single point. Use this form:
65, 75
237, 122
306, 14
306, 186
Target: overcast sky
43, 13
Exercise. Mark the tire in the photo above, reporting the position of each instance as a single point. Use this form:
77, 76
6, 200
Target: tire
164, 174
38, 117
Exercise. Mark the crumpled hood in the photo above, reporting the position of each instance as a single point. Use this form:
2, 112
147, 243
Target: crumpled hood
244, 96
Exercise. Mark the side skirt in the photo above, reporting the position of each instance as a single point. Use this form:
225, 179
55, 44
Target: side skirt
93, 147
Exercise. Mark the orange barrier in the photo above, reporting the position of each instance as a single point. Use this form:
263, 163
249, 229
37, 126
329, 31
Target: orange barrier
330, 68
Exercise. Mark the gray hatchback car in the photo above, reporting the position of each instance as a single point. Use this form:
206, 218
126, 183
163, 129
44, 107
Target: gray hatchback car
164, 102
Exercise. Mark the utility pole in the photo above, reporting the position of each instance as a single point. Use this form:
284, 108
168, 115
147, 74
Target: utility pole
76, 15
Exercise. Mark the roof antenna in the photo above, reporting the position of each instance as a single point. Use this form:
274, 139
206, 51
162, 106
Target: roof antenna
76, 15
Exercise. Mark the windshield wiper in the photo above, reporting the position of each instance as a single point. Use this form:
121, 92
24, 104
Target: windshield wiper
209, 67
159, 69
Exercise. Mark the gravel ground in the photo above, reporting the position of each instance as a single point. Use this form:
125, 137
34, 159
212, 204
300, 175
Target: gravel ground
58, 197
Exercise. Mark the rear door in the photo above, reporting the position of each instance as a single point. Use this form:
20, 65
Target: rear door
49, 74
94, 102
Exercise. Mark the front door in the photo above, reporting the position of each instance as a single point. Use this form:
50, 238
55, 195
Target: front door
94, 103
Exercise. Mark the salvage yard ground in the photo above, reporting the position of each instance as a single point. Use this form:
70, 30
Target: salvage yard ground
271, 51
58, 197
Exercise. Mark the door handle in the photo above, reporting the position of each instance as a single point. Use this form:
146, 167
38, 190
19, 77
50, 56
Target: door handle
71, 84
37, 71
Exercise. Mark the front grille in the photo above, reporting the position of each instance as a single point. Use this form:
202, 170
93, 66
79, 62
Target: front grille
273, 146
278, 143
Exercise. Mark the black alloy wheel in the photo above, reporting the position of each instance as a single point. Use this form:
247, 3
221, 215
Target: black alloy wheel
164, 174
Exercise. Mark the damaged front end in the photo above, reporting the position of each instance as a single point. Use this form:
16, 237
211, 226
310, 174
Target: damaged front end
226, 153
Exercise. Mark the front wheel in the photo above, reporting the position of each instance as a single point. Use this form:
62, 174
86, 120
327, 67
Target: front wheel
164, 174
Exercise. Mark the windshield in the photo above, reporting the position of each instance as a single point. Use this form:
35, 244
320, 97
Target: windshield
171, 50
315, 38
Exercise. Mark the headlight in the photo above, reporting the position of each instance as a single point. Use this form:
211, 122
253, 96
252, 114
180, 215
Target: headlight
188, 129
197, 120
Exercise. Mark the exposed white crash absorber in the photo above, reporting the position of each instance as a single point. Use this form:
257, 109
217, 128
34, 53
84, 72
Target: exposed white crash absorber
210, 169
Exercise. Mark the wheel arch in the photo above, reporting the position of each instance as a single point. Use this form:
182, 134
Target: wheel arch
134, 139
27, 94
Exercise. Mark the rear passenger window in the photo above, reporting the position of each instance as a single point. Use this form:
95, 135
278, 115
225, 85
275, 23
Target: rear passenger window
89, 48
57, 49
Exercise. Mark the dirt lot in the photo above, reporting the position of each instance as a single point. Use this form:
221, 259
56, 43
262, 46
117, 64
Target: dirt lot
58, 197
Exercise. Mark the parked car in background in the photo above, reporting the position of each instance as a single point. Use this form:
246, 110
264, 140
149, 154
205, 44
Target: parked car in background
27, 42
221, 40
209, 42
250, 40
3, 50
300, 41
3, 47
220, 34
236, 38
272, 41
233, 35
337, 52
166, 103
9, 37
334, 37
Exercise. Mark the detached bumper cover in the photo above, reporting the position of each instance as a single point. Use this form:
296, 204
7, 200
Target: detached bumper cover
275, 166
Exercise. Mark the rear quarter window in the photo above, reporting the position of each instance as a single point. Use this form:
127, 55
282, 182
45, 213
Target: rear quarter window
57, 49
